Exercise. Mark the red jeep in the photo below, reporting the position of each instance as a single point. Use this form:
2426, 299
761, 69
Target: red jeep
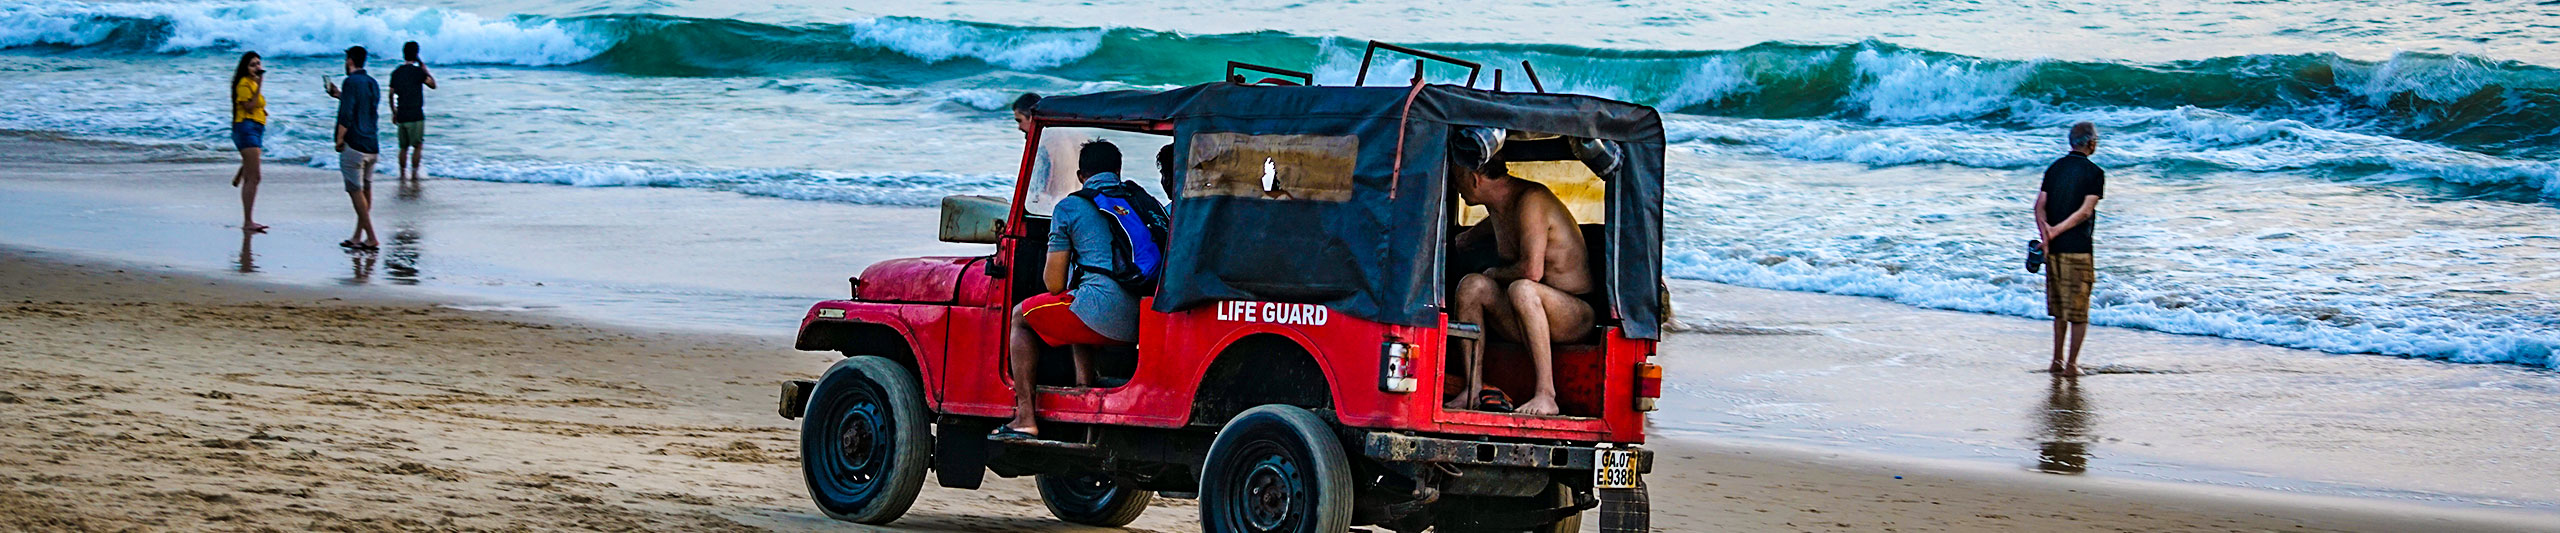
1292, 365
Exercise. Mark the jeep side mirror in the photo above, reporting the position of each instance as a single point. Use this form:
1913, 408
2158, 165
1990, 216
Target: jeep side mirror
973, 219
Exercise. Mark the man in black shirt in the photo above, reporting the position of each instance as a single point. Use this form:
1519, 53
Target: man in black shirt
409, 85
2066, 215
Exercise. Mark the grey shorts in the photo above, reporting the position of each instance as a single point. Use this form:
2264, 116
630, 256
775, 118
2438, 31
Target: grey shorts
357, 169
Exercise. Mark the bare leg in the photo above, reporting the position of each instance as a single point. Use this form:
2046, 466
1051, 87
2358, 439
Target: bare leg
1475, 293
409, 161
247, 180
1084, 364
2079, 332
1543, 311
2061, 329
1023, 349
364, 210
356, 198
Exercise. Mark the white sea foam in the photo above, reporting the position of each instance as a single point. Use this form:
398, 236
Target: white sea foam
935, 41
905, 189
2415, 332
2135, 136
1710, 80
303, 28
1904, 86
2433, 78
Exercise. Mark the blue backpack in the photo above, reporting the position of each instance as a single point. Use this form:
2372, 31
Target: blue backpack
1137, 249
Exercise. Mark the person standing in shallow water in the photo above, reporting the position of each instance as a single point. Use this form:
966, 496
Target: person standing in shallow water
2066, 219
248, 133
409, 85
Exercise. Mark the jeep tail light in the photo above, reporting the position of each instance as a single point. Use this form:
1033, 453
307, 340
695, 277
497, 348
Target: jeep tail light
1648, 385
1395, 368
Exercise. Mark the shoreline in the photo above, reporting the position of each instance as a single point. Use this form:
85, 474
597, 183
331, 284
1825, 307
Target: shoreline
1776, 380
478, 420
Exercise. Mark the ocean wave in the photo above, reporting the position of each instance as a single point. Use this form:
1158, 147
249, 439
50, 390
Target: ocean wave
2401, 331
935, 41
295, 28
2134, 136
2503, 108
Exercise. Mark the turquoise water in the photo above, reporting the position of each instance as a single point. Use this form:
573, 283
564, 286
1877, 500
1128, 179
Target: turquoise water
2339, 176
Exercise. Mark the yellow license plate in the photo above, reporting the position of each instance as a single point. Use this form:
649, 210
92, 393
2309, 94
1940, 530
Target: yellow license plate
1614, 469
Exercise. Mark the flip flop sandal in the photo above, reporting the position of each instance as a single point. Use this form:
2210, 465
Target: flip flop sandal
1005, 434
1491, 400
349, 244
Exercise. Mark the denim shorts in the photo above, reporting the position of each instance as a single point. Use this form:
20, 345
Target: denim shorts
248, 134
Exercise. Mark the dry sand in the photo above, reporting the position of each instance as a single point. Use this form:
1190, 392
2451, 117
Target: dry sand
140, 400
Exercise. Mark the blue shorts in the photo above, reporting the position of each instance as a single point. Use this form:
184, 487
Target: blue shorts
248, 134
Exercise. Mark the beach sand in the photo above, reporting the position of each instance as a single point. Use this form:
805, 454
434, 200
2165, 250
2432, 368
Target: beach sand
141, 400
154, 382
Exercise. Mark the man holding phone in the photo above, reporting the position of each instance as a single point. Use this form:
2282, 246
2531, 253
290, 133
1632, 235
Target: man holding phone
358, 143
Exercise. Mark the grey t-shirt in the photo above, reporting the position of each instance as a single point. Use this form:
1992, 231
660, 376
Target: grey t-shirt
1080, 229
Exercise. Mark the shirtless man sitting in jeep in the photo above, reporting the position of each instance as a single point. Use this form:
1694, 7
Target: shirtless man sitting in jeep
1534, 297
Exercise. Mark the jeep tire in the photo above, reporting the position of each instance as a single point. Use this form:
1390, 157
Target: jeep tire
1276, 469
1092, 499
865, 441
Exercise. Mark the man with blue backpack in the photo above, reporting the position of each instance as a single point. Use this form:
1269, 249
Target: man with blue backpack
1105, 250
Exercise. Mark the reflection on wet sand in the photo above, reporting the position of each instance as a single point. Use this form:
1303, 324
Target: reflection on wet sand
361, 262
247, 263
2065, 432
401, 257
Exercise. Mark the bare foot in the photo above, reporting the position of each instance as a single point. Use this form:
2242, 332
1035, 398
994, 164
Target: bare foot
2071, 371
1023, 427
2055, 368
1542, 405
1464, 401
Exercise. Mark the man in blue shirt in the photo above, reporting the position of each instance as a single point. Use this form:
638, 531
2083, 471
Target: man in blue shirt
1083, 309
359, 144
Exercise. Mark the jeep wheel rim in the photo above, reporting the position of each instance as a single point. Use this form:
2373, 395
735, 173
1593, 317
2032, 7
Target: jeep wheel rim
1272, 490
857, 461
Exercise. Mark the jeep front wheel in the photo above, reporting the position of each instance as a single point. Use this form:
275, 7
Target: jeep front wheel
864, 443
1276, 468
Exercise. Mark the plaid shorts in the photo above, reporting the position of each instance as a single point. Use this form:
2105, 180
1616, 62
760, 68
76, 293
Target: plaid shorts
2068, 278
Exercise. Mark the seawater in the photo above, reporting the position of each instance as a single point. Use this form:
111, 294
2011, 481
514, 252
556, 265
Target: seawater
2335, 176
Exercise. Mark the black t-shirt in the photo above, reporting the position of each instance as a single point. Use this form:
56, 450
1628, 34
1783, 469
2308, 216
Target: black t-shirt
408, 91
2067, 183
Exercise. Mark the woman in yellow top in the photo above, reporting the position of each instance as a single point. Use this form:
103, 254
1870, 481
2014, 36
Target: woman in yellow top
248, 133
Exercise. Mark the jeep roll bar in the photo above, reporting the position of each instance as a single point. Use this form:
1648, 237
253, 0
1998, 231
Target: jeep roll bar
1372, 54
1232, 66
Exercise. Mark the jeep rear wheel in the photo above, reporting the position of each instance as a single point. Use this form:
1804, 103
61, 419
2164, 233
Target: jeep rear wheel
1092, 499
864, 443
1276, 468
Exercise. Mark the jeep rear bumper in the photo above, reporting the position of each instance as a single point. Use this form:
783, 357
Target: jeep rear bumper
1396, 447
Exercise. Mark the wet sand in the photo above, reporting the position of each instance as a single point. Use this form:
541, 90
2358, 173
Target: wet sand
319, 393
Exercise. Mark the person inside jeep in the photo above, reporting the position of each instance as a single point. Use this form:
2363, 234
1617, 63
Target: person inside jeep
1534, 294
1102, 255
